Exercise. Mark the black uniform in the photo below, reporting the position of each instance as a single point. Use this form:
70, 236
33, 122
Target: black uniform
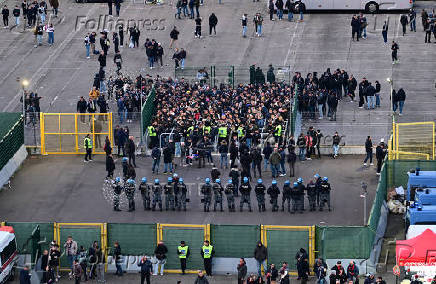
218, 196
324, 195
311, 189
229, 191
145, 193
286, 197
245, 190
260, 195
206, 190
274, 192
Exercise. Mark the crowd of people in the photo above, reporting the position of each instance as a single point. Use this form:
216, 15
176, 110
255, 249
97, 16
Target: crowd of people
89, 264
319, 97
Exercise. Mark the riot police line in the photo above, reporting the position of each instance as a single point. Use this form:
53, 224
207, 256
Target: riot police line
174, 194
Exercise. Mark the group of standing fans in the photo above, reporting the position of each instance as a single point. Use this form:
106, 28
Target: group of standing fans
319, 97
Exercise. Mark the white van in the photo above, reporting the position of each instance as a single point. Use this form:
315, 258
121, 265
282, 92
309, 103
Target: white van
8, 253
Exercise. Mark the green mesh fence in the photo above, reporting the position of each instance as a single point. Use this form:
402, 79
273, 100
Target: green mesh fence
11, 136
380, 196
23, 231
193, 237
134, 239
83, 235
234, 240
148, 110
397, 170
283, 246
344, 242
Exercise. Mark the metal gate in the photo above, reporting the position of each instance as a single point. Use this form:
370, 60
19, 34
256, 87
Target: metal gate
283, 243
193, 235
83, 233
63, 133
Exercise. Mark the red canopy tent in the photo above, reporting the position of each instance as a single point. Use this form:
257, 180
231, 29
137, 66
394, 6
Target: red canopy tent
418, 251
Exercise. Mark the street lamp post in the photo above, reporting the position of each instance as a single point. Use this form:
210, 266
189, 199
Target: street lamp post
364, 195
24, 84
391, 83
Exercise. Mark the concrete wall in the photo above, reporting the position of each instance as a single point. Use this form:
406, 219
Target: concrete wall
13, 164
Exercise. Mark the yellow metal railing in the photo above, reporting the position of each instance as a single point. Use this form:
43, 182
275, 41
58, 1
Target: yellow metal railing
414, 140
60, 132
161, 228
309, 229
57, 227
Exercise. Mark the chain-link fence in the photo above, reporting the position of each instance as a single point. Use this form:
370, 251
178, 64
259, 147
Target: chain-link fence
234, 75
11, 136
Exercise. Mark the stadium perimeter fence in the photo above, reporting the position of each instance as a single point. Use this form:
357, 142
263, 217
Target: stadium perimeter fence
234, 241
230, 74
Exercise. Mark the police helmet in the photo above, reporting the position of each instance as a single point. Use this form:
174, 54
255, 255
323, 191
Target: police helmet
218, 180
170, 179
125, 159
295, 183
300, 180
259, 180
316, 176
274, 181
131, 181
287, 182
181, 180
156, 181
245, 179
325, 179
207, 180
144, 179
117, 179
230, 181
175, 175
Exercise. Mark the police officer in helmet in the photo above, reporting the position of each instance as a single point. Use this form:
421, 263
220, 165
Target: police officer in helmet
274, 192
157, 195
260, 189
145, 193
206, 190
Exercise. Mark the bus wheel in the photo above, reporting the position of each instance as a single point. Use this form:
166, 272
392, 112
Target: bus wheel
371, 7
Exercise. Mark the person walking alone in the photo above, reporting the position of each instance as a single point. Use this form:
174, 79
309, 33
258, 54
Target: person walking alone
385, 32
213, 21
244, 25
5, 14
368, 150
412, 20
395, 49
404, 21
174, 35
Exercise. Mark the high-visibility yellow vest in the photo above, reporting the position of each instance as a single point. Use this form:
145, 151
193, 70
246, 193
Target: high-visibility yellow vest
151, 131
206, 129
222, 132
240, 132
183, 251
278, 130
189, 130
207, 251
87, 144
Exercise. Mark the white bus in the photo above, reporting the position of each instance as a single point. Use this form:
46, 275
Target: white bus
369, 6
